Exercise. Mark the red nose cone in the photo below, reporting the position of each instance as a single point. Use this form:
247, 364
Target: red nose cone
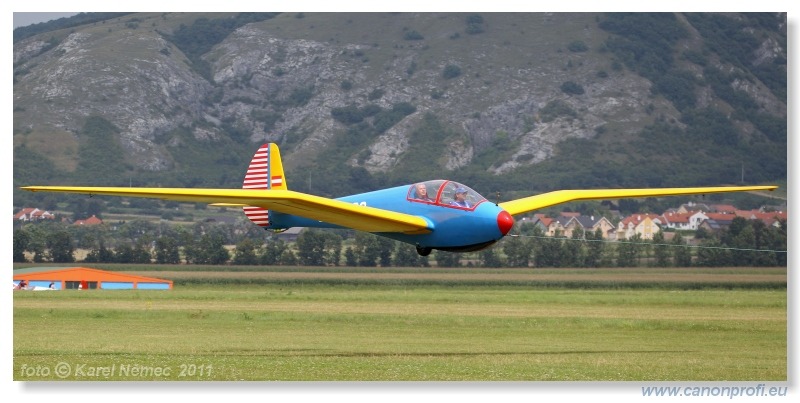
505, 222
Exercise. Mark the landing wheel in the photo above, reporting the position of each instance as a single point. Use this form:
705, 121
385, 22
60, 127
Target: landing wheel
423, 251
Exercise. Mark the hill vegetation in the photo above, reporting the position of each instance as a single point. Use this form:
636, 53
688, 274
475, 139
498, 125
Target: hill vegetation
707, 96
62, 23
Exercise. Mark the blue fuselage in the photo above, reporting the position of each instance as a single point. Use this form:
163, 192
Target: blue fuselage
451, 227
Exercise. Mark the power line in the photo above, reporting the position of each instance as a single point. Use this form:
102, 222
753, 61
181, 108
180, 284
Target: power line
654, 244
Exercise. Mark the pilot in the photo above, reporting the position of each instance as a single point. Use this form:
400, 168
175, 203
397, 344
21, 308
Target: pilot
422, 193
460, 198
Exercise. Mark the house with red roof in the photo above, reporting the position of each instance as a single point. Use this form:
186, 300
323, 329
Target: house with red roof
725, 218
723, 208
93, 220
772, 218
556, 226
542, 221
85, 278
683, 221
747, 214
720, 221
33, 214
692, 206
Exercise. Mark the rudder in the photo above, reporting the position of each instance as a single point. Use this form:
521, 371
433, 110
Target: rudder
265, 172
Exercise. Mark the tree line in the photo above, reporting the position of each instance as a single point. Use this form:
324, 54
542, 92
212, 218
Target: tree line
744, 243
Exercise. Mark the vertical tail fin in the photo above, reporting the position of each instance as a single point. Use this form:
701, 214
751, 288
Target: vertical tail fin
265, 172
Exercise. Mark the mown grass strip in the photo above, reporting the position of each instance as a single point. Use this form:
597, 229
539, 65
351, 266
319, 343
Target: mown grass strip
371, 331
565, 284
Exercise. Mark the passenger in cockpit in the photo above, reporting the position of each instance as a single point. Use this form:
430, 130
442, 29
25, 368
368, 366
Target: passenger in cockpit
460, 199
422, 193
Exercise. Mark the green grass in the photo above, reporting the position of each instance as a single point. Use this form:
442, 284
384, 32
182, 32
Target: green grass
402, 332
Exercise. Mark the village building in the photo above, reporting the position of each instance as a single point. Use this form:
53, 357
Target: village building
290, 235
693, 207
569, 214
556, 226
33, 214
773, 218
717, 221
688, 221
93, 220
590, 224
645, 225
84, 278
542, 221
723, 208
566, 224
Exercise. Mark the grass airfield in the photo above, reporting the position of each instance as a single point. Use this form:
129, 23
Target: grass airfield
359, 324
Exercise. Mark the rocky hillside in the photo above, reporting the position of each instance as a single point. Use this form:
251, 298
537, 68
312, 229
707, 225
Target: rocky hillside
505, 100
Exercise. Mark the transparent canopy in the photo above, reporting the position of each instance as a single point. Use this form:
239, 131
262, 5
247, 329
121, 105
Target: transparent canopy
445, 193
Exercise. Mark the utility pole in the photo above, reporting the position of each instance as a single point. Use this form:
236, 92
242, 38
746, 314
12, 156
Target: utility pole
742, 173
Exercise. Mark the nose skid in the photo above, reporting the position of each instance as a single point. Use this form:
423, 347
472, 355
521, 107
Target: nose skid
504, 222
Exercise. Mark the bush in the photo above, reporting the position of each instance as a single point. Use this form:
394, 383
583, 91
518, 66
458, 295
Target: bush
474, 19
474, 24
413, 36
572, 88
555, 109
451, 71
577, 46
300, 96
348, 114
376, 94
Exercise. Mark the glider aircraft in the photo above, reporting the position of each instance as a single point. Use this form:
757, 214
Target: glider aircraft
436, 214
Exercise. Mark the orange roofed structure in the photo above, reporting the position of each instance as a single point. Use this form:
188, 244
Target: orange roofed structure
87, 279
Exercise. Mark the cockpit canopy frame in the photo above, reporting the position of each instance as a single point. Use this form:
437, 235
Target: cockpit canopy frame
444, 193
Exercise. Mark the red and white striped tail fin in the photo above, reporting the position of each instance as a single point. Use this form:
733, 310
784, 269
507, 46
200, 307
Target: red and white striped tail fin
265, 172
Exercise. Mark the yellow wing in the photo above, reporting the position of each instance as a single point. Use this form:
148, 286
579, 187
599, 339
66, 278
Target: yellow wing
337, 212
531, 203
